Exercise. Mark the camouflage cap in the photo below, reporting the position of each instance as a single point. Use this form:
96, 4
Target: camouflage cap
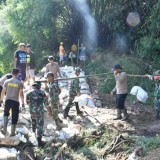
50, 74
36, 84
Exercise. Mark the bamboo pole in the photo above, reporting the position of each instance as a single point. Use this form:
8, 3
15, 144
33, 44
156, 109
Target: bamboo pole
92, 76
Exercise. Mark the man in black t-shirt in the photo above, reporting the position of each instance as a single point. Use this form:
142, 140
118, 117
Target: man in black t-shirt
20, 60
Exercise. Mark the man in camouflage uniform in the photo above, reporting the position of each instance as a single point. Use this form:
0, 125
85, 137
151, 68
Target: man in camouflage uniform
73, 92
156, 78
54, 92
37, 99
157, 99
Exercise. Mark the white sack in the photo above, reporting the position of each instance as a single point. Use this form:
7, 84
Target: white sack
134, 90
67, 133
141, 94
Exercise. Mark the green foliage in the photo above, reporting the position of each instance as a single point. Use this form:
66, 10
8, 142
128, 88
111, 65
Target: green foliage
148, 144
45, 23
148, 45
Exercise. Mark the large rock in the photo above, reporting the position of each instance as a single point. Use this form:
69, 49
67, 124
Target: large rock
8, 154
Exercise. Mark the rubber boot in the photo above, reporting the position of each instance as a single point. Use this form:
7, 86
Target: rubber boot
124, 111
157, 114
39, 140
13, 130
59, 127
4, 130
118, 114
66, 111
34, 129
77, 109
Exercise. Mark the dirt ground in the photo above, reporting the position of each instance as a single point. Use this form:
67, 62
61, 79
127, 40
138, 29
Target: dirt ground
155, 155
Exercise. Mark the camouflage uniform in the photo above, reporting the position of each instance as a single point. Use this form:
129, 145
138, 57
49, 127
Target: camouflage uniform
37, 99
54, 92
157, 99
74, 89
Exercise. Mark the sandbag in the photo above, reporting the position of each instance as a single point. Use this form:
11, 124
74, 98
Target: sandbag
8, 153
141, 94
134, 90
67, 133
85, 100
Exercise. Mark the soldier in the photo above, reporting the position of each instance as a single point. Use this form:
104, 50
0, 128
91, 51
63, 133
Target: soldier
73, 92
37, 99
156, 78
54, 92
12, 88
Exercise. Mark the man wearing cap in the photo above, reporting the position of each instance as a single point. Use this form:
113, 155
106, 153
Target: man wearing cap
13, 88
73, 92
61, 53
54, 92
30, 64
37, 100
53, 67
20, 60
121, 90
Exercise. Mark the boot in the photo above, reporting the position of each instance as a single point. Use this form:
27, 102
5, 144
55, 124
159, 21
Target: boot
13, 129
157, 114
34, 129
77, 109
39, 140
118, 114
59, 127
4, 130
66, 111
124, 111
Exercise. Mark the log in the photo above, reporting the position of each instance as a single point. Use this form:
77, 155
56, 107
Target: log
93, 118
9, 141
116, 143
60, 152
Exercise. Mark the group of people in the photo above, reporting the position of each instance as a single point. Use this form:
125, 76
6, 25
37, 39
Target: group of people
38, 99
73, 54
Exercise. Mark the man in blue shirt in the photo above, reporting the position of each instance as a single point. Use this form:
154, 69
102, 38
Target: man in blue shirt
20, 61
